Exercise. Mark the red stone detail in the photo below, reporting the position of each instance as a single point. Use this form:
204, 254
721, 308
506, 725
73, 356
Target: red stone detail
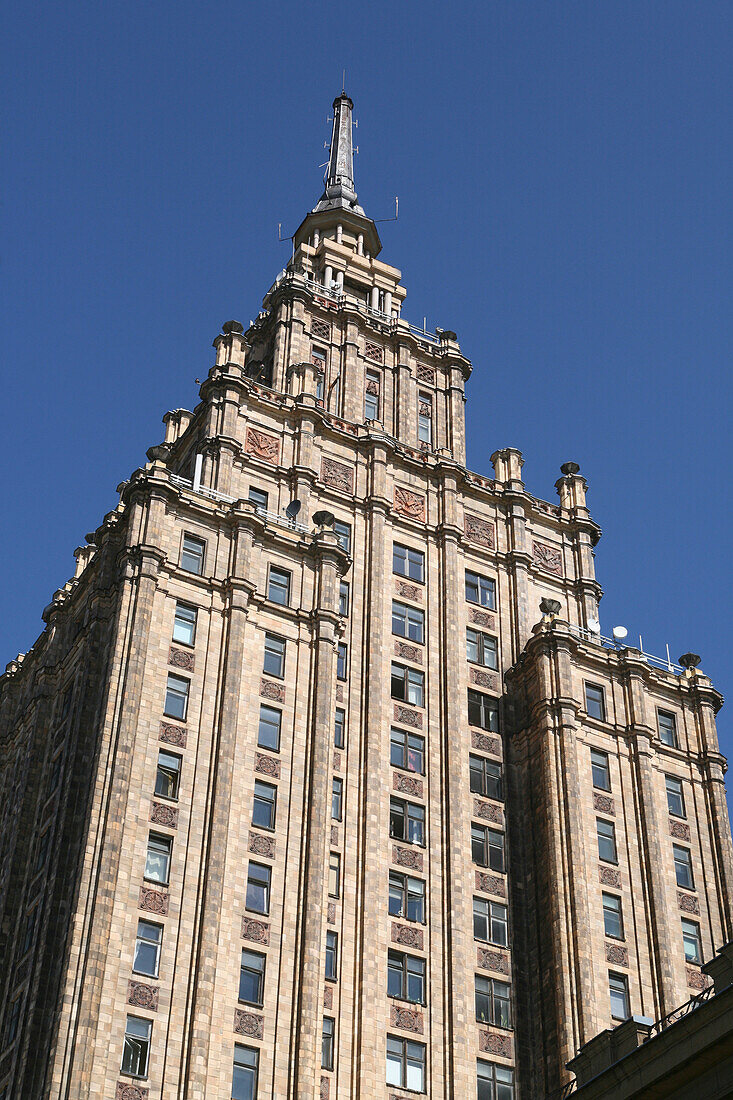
269, 690
266, 765
486, 744
604, 803
547, 557
320, 329
181, 658
153, 901
485, 679
493, 960
490, 884
126, 1091
372, 386
482, 618
334, 834
255, 930
173, 735
688, 903
409, 652
337, 761
426, 409
409, 591
161, 814
337, 475
339, 693
143, 996
406, 1018
408, 716
262, 445
696, 979
331, 912
328, 997
262, 845
678, 830
479, 530
408, 937
373, 352
425, 374
488, 812
407, 857
407, 503
248, 1023
609, 876
407, 784
491, 1042
617, 954
325, 1088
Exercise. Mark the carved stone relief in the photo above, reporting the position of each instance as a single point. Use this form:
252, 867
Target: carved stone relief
408, 937
409, 591
492, 1042
409, 652
126, 1091
337, 761
480, 531
425, 374
488, 812
248, 1023
255, 930
161, 814
181, 658
408, 716
604, 803
328, 996
337, 475
173, 735
688, 903
331, 912
153, 901
483, 618
485, 744
406, 1018
266, 765
261, 445
406, 857
696, 979
270, 690
334, 835
485, 679
143, 996
548, 558
262, 845
617, 954
409, 504
320, 329
407, 784
493, 960
373, 352
609, 876
679, 830
490, 884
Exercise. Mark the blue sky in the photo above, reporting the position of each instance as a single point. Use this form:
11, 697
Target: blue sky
565, 180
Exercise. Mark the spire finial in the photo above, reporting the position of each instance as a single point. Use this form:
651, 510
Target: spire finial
340, 190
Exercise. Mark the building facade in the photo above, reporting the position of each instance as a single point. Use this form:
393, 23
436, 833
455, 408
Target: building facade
320, 781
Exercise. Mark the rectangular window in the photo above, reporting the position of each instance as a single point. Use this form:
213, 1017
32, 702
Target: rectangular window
327, 1042
278, 586
11, 1027
184, 624
494, 1082
683, 867
44, 842
343, 598
259, 498
337, 791
487, 847
483, 711
192, 554
600, 770
342, 657
29, 931
407, 562
493, 1002
425, 419
408, 622
667, 728
147, 948
244, 1073
408, 685
406, 897
480, 590
258, 887
332, 943
158, 859
490, 922
252, 978
675, 797
606, 831
407, 750
481, 649
406, 977
339, 728
405, 1064
274, 663
691, 939
371, 396
334, 875
265, 802
613, 924
343, 533
407, 821
618, 986
268, 734
486, 777
595, 703
136, 1049
168, 775
176, 697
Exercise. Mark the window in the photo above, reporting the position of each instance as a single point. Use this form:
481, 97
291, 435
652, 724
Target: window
595, 703
332, 942
334, 875
683, 867
486, 777
11, 1027
54, 777
406, 897
483, 711
259, 498
184, 624
405, 1064
618, 987
487, 847
252, 978
408, 563
480, 590
606, 831
274, 662
481, 649
343, 598
489, 921
258, 887
407, 750
42, 851
339, 727
342, 656
408, 622
136, 1051
265, 802
613, 924
667, 728
407, 821
244, 1074
268, 735
343, 531
600, 770
192, 554
675, 797
320, 380
691, 939
493, 1002
425, 419
147, 948
494, 1082
168, 775
371, 396
158, 859
327, 1042
176, 697
408, 685
29, 931
337, 791
406, 977
278, 586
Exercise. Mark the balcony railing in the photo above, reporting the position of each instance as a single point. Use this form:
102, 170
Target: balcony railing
214, 494
612, 643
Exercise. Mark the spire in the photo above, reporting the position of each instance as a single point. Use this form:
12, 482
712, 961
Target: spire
340, 192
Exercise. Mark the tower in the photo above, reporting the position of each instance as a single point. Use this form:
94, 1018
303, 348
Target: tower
319, 781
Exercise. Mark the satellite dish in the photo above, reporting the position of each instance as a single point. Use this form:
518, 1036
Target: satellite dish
292, 509
619, 633
324, 518
594, 626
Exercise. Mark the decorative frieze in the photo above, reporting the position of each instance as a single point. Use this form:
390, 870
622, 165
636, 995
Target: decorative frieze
270, 690
485, 744
160, 814
548, 558
409, 504
407, 784
409, 1019
617, 954
248, 1023
688, 902
255, 930
374, 352
409, 652
154, 901
478, 530
490, 884
408, 937
173, 735
339, 693
408, 716
143, 996
328, 996
482, 618
334, 835
679, 830
609, 876
407, 857
261, 445
261, 845
325, 1088
127, 1091
267, 765
494, 1042
331, 912
337, 475
696, 979
409, 591
337, 761
485, 679
181, 658
493, 960
487, 811
604, 803
321, 329
425, 374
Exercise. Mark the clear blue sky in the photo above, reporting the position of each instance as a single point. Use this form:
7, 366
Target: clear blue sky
565, 181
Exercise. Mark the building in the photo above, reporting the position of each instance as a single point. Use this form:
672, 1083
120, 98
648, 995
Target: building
320, 781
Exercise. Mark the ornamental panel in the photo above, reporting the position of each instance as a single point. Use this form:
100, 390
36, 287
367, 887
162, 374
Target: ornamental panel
266, 765
374, 352
480, 531
482, 618
126, 1091
617, 954
407, 784
154, 901
325, 1088
485, 679
679, 830
262, 845
492, 1042
408, 716
609, 876
269, 690
261, 445
488, 812
334, 835
409, 504
409, 1019
490, 884
321, 329
485, 744
548, 558
337, 475
173, 735
406, 857
604, 803
142, 995
331, 912
425, 374
696, 979
408, 937
328, 996
160, 814
493, 960
409, 591
339, 693
688, 903
248, 1023
255, 930
337, 761
409, 652
181, 658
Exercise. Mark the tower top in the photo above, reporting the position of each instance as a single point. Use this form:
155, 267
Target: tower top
340, 193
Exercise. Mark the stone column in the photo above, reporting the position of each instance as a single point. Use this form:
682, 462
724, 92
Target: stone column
571, 489
507, 465
405, 408
352, 375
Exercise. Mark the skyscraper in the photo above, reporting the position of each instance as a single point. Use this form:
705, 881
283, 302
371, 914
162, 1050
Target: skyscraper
321, 781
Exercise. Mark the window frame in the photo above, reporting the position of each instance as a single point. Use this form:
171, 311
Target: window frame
344, 597
166, 845
399, 738
671, 795
332, 954
328, 1043
372, 400
183, 606
413, 817
590, 687
494, 1001
246, 1068
280, 573
259, 800
622, 987
264, 883
259, 976
339, 728
337, 798
265, 707
670, 731
485, 586
604, 767
488, 710
260, 505
412, 679
500, 918
616, 913
172, 693
407, 965
695, 935
157, 946
334, 875
147, 1040
486, 648
612, 838
488, 785
491, 1072
186, 550
402, 1059
424, 420
342, 661
409, 554
412, 619
343, 532
686, 863
269, 649
488, 847
160, 769
401, 883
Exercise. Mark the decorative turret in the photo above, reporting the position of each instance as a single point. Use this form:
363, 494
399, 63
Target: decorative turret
340, 192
